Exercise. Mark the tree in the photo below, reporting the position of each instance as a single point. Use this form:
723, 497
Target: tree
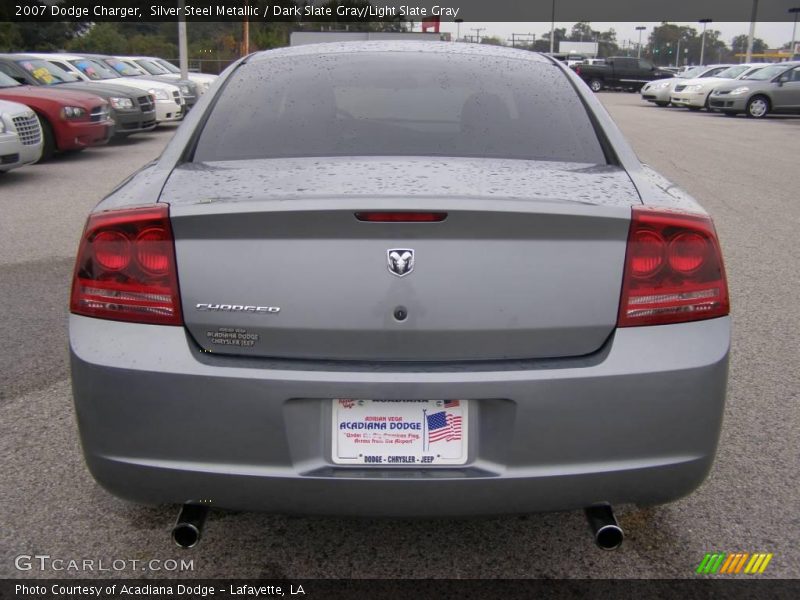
543, 44
492, 41
582, 32
739, 45
103, 38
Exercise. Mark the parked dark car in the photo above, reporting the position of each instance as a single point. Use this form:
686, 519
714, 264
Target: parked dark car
70, 120
621, 72
130, 110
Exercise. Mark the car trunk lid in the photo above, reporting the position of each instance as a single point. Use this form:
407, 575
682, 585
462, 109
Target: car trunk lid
274, 262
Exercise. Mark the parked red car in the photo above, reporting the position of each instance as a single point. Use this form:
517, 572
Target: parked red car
71, 120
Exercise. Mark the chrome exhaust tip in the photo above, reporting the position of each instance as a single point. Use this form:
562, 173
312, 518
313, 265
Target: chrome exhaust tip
189, 526
608, 535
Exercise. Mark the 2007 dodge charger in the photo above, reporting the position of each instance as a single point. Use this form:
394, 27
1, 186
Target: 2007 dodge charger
399, 279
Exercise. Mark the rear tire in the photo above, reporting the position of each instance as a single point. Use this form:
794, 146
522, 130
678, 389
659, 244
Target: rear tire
757, 107
662, 104
48, 140
595, 85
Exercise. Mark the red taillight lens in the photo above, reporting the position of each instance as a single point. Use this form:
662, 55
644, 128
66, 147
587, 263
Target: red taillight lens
402, 217
126, 268
153, 250
112, 250
673, 270
649, 255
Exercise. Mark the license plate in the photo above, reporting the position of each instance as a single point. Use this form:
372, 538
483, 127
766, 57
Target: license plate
396, 433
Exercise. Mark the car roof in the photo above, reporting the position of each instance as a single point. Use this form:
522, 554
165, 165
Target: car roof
400, 47
61, 55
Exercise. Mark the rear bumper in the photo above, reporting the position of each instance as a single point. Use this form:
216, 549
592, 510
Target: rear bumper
637, 422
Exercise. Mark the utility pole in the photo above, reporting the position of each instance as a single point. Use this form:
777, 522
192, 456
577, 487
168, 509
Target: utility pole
246, 31
183, 53
477, 31
522, 37
640, 29
752, 33
553, 28
703, 41
458, 28
794, 10
678, 52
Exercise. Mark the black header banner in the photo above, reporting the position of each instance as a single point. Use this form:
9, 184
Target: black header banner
337, 11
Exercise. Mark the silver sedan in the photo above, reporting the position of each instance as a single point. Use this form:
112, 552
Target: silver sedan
774, 89
399, 279
660, 90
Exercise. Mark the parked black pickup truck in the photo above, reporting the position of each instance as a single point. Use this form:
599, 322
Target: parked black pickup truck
621, 72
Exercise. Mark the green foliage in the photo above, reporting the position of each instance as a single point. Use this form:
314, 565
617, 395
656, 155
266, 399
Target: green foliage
10, 39
492, 41
663, 45
45, 37
103, 38
739, 45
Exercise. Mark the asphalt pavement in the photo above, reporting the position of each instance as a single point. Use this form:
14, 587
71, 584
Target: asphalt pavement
743, 171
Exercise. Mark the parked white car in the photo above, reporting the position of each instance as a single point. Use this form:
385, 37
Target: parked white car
694, 93
160, 66
659, 91
20, 136
168, 98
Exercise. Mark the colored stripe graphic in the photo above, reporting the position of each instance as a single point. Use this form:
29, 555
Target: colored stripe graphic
725, 563
734, 563
758, 563
711, 563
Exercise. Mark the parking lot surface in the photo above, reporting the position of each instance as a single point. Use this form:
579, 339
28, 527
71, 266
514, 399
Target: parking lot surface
742, 171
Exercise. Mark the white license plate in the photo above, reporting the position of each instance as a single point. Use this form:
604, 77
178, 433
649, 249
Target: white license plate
398, 433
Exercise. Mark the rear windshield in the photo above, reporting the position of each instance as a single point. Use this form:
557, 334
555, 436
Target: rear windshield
399, 104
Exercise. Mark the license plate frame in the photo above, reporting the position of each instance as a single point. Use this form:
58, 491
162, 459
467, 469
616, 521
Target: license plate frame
399, 433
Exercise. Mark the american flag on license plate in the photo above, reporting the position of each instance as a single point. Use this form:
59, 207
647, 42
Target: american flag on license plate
451, 403
444, 426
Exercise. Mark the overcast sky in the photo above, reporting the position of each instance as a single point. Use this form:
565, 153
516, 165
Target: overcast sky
774, 34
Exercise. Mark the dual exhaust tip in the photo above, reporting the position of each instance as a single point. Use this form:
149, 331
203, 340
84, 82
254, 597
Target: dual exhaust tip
607, 533
189, 526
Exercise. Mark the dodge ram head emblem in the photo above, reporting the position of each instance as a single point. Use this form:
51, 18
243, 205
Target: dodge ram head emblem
401, 261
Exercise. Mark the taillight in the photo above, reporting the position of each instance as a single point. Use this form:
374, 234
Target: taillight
673, 270
126, 268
